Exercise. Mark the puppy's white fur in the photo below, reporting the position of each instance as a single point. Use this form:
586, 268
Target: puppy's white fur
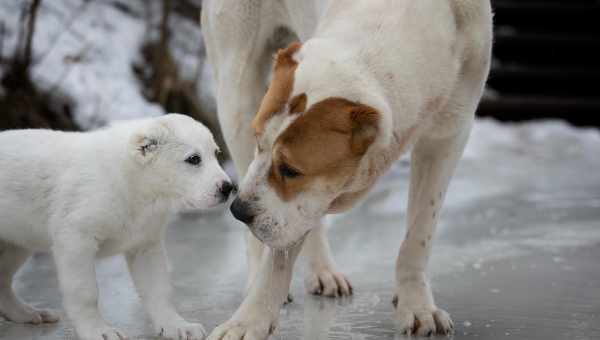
101, 193
421, 64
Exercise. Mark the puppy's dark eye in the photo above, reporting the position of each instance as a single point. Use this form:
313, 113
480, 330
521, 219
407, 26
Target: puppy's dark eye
288, 172
194, 160
218, 153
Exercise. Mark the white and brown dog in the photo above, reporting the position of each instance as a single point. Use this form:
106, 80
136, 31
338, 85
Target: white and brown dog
370, 80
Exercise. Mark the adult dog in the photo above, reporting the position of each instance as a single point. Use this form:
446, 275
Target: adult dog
101, 193
369, 80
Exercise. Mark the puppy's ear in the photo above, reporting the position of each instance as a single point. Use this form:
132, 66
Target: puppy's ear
144, 143
365, 126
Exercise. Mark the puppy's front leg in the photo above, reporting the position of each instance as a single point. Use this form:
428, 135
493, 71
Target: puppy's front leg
432, 165
75, 263
149, 269
257, 317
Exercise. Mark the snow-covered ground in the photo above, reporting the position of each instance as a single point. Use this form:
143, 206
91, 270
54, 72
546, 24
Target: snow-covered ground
86, 49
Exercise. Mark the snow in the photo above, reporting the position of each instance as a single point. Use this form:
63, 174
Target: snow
89, 60
86, 49
531, 146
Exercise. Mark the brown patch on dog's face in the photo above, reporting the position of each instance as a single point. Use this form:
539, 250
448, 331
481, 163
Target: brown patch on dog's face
280, 89
324, 145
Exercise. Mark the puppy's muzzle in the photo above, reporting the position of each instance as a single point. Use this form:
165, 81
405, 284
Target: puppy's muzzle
225, 190
242, 211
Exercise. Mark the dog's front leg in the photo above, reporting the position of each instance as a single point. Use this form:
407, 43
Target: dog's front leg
75, 263
432, 165
149, 269
257, 317
322, 277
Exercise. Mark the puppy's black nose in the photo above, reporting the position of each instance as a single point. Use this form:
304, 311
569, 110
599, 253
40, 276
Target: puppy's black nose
225, 189
241, 211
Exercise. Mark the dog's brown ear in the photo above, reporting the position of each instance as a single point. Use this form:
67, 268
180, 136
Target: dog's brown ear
358, 121
280, 89
365, 126
298, 103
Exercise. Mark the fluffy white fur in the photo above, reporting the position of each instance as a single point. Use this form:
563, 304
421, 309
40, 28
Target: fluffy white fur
421, 64
101, 193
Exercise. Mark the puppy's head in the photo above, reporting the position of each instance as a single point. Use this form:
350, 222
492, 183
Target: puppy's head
177, 157
304, 159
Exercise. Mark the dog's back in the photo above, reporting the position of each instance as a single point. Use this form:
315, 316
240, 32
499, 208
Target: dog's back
31, 161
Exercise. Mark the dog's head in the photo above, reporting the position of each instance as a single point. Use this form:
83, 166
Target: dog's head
305, 157
177, 158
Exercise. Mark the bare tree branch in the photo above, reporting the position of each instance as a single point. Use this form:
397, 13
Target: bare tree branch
165, 33
21, 32
2, 33
33, 10
67, 28
164, 81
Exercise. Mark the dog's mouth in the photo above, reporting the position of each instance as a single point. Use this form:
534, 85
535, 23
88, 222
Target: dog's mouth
274, 243
190, 205
291, 245
295, 243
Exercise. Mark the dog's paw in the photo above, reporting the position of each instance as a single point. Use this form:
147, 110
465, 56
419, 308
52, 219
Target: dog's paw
105, 333
423, 322
182, 331
328, 282
416, 312
289, 299
27, 314
243, 330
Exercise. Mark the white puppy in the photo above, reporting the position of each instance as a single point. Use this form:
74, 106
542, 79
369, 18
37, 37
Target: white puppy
101, 193
366, 81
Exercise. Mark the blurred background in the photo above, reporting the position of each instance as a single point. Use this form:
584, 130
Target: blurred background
546, 55
522, 210
78, 64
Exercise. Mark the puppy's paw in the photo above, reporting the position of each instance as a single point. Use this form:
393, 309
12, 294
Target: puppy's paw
105, 333
182, 331
26, 314
242, 330
327, 282
416, 312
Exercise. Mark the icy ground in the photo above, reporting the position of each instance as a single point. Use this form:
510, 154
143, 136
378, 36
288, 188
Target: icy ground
516, 256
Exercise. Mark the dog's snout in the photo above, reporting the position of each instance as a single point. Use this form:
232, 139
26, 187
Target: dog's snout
241, 211
226, 189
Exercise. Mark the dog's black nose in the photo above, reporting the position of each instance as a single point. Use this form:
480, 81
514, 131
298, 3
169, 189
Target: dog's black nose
225, 189
241, 211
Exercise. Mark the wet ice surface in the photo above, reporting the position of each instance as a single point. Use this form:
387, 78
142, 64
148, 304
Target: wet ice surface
516, 254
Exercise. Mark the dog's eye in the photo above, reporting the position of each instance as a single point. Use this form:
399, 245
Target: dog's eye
218, 153
288, 172
194, 160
